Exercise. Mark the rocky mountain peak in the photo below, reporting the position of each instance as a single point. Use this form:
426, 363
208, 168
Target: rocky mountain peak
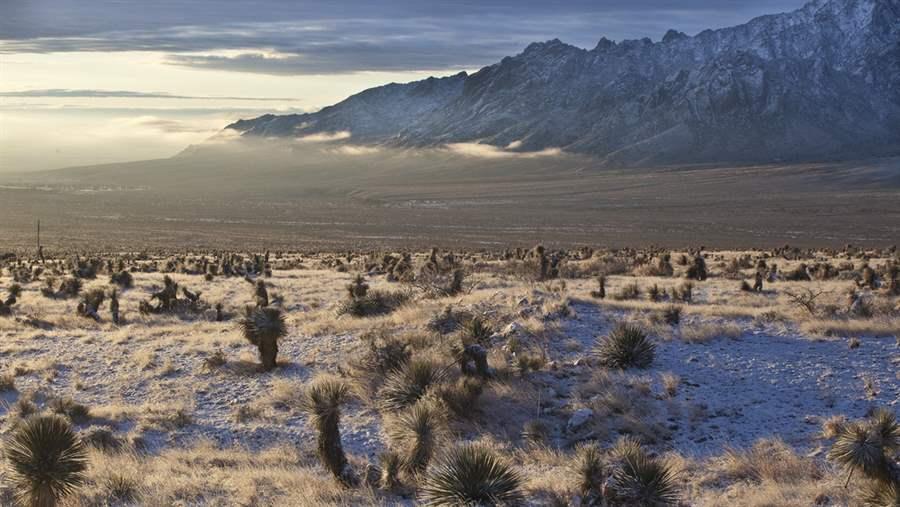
818, 82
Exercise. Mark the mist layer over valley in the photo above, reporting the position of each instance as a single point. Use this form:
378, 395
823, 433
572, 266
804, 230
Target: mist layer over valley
260, 193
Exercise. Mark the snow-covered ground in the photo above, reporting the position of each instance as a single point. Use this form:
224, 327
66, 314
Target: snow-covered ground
737, 380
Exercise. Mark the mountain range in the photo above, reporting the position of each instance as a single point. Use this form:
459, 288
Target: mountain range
819, 82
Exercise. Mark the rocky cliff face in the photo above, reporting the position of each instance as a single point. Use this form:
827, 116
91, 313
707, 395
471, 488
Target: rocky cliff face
819, 82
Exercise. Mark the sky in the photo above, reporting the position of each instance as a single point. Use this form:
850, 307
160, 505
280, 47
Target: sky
98, 81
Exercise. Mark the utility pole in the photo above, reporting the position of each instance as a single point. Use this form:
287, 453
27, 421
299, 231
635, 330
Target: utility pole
40, 249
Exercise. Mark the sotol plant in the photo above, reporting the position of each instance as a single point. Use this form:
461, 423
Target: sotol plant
323, 399
590, 472
871, 448
627, 346
406, 385
47, 461
263, 327
416, 432
639, 479
471, 474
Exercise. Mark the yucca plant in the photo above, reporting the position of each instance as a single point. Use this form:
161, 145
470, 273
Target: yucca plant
406, 385
476, 330
471, 474
627, 346
672, 315
881, 494
358, 288
639, 479
868, 447
322, 400
416, 432
390, 470
47, 461
858, 448
885, 426
590, 471
600, 293
263, 327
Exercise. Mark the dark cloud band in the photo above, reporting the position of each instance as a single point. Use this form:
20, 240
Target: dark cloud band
67, 93
295, 38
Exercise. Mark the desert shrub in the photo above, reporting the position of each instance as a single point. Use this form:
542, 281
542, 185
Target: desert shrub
638, 479
799, 274
90, 304
600, 292
590, 472
323, 399
627, 346
391, 464
70, 287
476, 330
100, 438
685, 293
658, 266
654, 293
47, 461
630, 291
374, 303
384, 353
416, 432
769, 460
7, 382
871, 448
449, 320
70, 408
357, 288
697, 270
471, 474
264, 327
461, 397
437, 284
536, 432
672, 315
407, 384
123, 279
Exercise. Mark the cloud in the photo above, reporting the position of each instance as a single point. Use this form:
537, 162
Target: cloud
68, 93
166, 126
325, 137
356, 150
303, 38
489, 151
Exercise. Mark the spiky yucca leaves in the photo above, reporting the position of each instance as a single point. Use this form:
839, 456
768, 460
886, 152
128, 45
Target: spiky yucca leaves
416, 432
590, 471
406, 385
627, 346
868, 446
884, 425
47, 461
476, 330
881, 494
323, 399
390, 470
672, 315
263, 327
358, 288
639, 479
859, 448
471, 475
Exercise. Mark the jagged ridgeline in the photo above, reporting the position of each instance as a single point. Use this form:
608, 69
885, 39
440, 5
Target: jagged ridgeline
822, 81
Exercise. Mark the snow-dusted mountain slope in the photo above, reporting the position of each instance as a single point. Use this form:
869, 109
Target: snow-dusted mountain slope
822, 81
